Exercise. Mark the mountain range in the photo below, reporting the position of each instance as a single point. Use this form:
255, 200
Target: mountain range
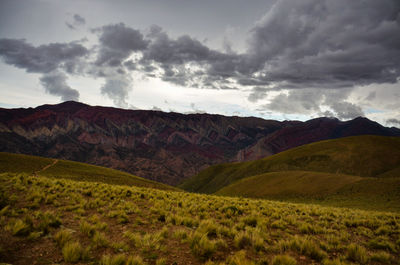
166, 147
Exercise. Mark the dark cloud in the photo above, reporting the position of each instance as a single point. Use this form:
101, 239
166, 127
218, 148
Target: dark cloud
117, 43
184, 49
77, 22
40, 59
187, 61
315, 50
394, 122
55, 83
330, 43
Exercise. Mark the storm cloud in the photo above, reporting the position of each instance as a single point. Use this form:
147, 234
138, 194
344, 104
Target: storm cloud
314, 43
394, 122
40, 59
117, 42
310, 53
55, 83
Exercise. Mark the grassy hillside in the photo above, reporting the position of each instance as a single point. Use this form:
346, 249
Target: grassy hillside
59, 221
295, 183
18, 163
320, 188
365, 156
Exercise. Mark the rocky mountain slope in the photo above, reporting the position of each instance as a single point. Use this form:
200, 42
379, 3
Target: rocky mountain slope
166, 147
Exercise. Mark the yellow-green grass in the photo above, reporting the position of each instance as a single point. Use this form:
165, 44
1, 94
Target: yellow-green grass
289, 183
320, 188
365, 156
58, 221
18, 163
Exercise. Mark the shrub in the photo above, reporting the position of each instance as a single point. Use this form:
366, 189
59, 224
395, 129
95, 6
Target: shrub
161, 261
202, 247
99, 240
250, 221
180, 234
357, 253
310, 249
381, 243
120, 246
47, 220
62, 237
208, 227
283, 260
306, 228
257, 241
135, 238
72, 252
119, 259
87, 229
239, 258
332, 262
34, 235
382, 257
242, 239
20, 228
136, 260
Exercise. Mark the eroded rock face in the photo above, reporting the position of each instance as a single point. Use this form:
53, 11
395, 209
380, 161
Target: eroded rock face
166, 147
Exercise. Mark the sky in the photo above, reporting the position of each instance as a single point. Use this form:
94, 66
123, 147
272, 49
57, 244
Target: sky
275, 59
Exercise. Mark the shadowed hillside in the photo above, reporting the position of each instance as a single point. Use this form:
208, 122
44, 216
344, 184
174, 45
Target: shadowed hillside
17, 163
365, 156
320, 188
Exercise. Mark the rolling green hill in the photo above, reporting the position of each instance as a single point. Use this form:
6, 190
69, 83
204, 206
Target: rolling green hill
364, 156
320, 188
290, 183
18, 163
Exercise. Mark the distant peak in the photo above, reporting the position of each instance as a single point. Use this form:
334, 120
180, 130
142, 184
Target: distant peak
72, 103
67, 106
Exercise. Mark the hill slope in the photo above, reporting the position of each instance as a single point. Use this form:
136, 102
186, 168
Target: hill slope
58, 221
166, 147
321, 188
18, 163
365, 156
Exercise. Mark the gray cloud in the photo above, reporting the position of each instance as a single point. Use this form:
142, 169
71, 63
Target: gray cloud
40, 59
182, 50
346, 110
55, 83
257, 93
117, 43
394, 122
117, 88
311, 100
303, 101
77, 22
317, 50
371, 96
313, 43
